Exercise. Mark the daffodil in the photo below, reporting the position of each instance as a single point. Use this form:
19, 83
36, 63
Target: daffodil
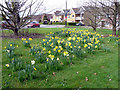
73, 38
59, 51
66, 54
49, 52
96, 46
11, 45
44, 49
78, 38
84, 40
26, 41
43, 39
47, 59
30, 39
88, 47
110, 35
12, 58
69, 38
70, 46
7, 65
58, 41
85, 45
32, 62
5, 47
54, 49
57, 59
51, 56
17, 46
35, 69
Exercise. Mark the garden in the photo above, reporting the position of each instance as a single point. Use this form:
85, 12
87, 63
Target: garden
62, 58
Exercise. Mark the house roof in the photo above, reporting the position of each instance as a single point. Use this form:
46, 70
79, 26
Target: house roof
37, 17
68, 11
58, 13
76, 10
49, 16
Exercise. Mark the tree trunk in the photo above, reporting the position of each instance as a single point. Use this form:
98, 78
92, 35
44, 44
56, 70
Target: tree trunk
114, 30
94, 28
16, 32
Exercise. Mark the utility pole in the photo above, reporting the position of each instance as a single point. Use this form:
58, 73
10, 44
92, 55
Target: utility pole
66, 15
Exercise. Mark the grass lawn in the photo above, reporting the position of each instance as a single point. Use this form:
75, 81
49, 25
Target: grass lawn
101, 68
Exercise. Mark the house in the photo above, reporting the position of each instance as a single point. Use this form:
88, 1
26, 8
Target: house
73, 15
40, 18
36, 18
58, 16
48, 17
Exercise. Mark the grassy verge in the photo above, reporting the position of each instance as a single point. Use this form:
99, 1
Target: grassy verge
47, 30
100, 68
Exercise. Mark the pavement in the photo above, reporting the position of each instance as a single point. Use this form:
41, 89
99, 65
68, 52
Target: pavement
45, 26
51, 26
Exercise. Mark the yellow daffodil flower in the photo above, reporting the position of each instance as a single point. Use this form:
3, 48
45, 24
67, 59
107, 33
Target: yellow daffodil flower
44, 49
30, 39
7, 65
96, 46
35, 69
59, 51
85, 45
11, 45
49, 52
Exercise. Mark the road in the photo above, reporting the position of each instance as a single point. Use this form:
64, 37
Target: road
50, 26
47, 26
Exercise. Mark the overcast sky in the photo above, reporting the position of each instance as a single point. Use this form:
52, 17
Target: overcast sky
61, 4
49, 5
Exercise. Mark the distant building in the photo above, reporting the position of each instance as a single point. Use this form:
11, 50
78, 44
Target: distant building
73, 15
40, 18
58, 16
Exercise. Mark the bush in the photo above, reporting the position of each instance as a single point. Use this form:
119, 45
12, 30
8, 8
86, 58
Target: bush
72, 23
59, 23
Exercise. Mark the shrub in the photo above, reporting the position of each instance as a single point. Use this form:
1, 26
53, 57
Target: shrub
72, 23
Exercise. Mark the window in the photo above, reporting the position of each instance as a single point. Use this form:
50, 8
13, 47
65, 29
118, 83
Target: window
72, 15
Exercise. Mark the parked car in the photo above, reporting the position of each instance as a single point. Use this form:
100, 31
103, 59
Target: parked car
45, 22
33, 24
80, 24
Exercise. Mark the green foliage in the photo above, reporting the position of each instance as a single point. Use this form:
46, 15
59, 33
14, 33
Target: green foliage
72, 23
17, 64
26, 42
58, 23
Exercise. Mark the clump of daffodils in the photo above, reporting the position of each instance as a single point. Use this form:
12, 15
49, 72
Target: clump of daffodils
26, 41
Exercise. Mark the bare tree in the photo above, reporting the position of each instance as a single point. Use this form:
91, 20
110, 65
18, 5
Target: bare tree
19, 12
92, 14
110, 9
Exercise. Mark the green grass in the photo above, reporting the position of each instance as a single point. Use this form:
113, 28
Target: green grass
104, 64
47, 30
